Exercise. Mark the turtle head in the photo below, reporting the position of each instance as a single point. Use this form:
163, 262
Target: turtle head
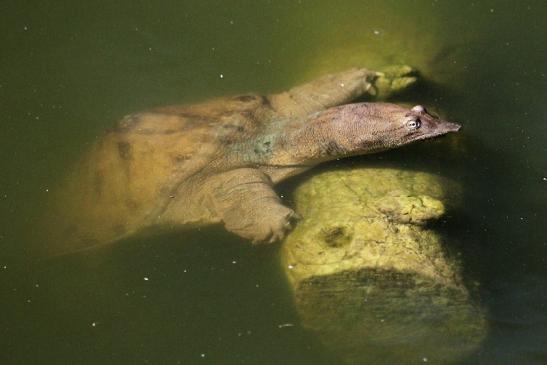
362, 128
391, 126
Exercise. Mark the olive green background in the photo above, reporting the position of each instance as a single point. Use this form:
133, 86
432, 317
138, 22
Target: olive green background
69, 70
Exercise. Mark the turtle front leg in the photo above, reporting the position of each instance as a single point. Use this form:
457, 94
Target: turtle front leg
249, 207
325, 92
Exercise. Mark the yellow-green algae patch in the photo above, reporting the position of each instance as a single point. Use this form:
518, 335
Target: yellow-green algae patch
369, 276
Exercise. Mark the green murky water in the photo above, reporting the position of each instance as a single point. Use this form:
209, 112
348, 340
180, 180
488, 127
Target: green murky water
69, 70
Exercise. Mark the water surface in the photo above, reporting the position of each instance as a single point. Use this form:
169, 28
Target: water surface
69, 70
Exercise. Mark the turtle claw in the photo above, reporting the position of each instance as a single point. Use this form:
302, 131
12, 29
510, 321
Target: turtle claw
275, 227
394, 79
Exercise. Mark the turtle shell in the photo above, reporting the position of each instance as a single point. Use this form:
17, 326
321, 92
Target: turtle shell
132, 174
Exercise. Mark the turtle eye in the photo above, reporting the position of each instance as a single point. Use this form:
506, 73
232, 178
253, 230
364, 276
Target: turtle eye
413, 124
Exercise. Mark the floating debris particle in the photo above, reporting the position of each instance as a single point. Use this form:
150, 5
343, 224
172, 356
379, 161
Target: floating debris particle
285, 325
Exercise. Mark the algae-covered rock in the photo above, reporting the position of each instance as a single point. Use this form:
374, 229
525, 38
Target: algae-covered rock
369, 276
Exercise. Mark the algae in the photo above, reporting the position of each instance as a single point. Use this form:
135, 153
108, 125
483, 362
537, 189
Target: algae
368, 275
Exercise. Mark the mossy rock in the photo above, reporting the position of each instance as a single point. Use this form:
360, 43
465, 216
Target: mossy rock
369, 276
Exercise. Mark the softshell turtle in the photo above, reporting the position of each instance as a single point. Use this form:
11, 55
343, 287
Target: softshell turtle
218, 161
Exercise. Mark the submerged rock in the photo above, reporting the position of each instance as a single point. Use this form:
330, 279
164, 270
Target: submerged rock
369, 276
